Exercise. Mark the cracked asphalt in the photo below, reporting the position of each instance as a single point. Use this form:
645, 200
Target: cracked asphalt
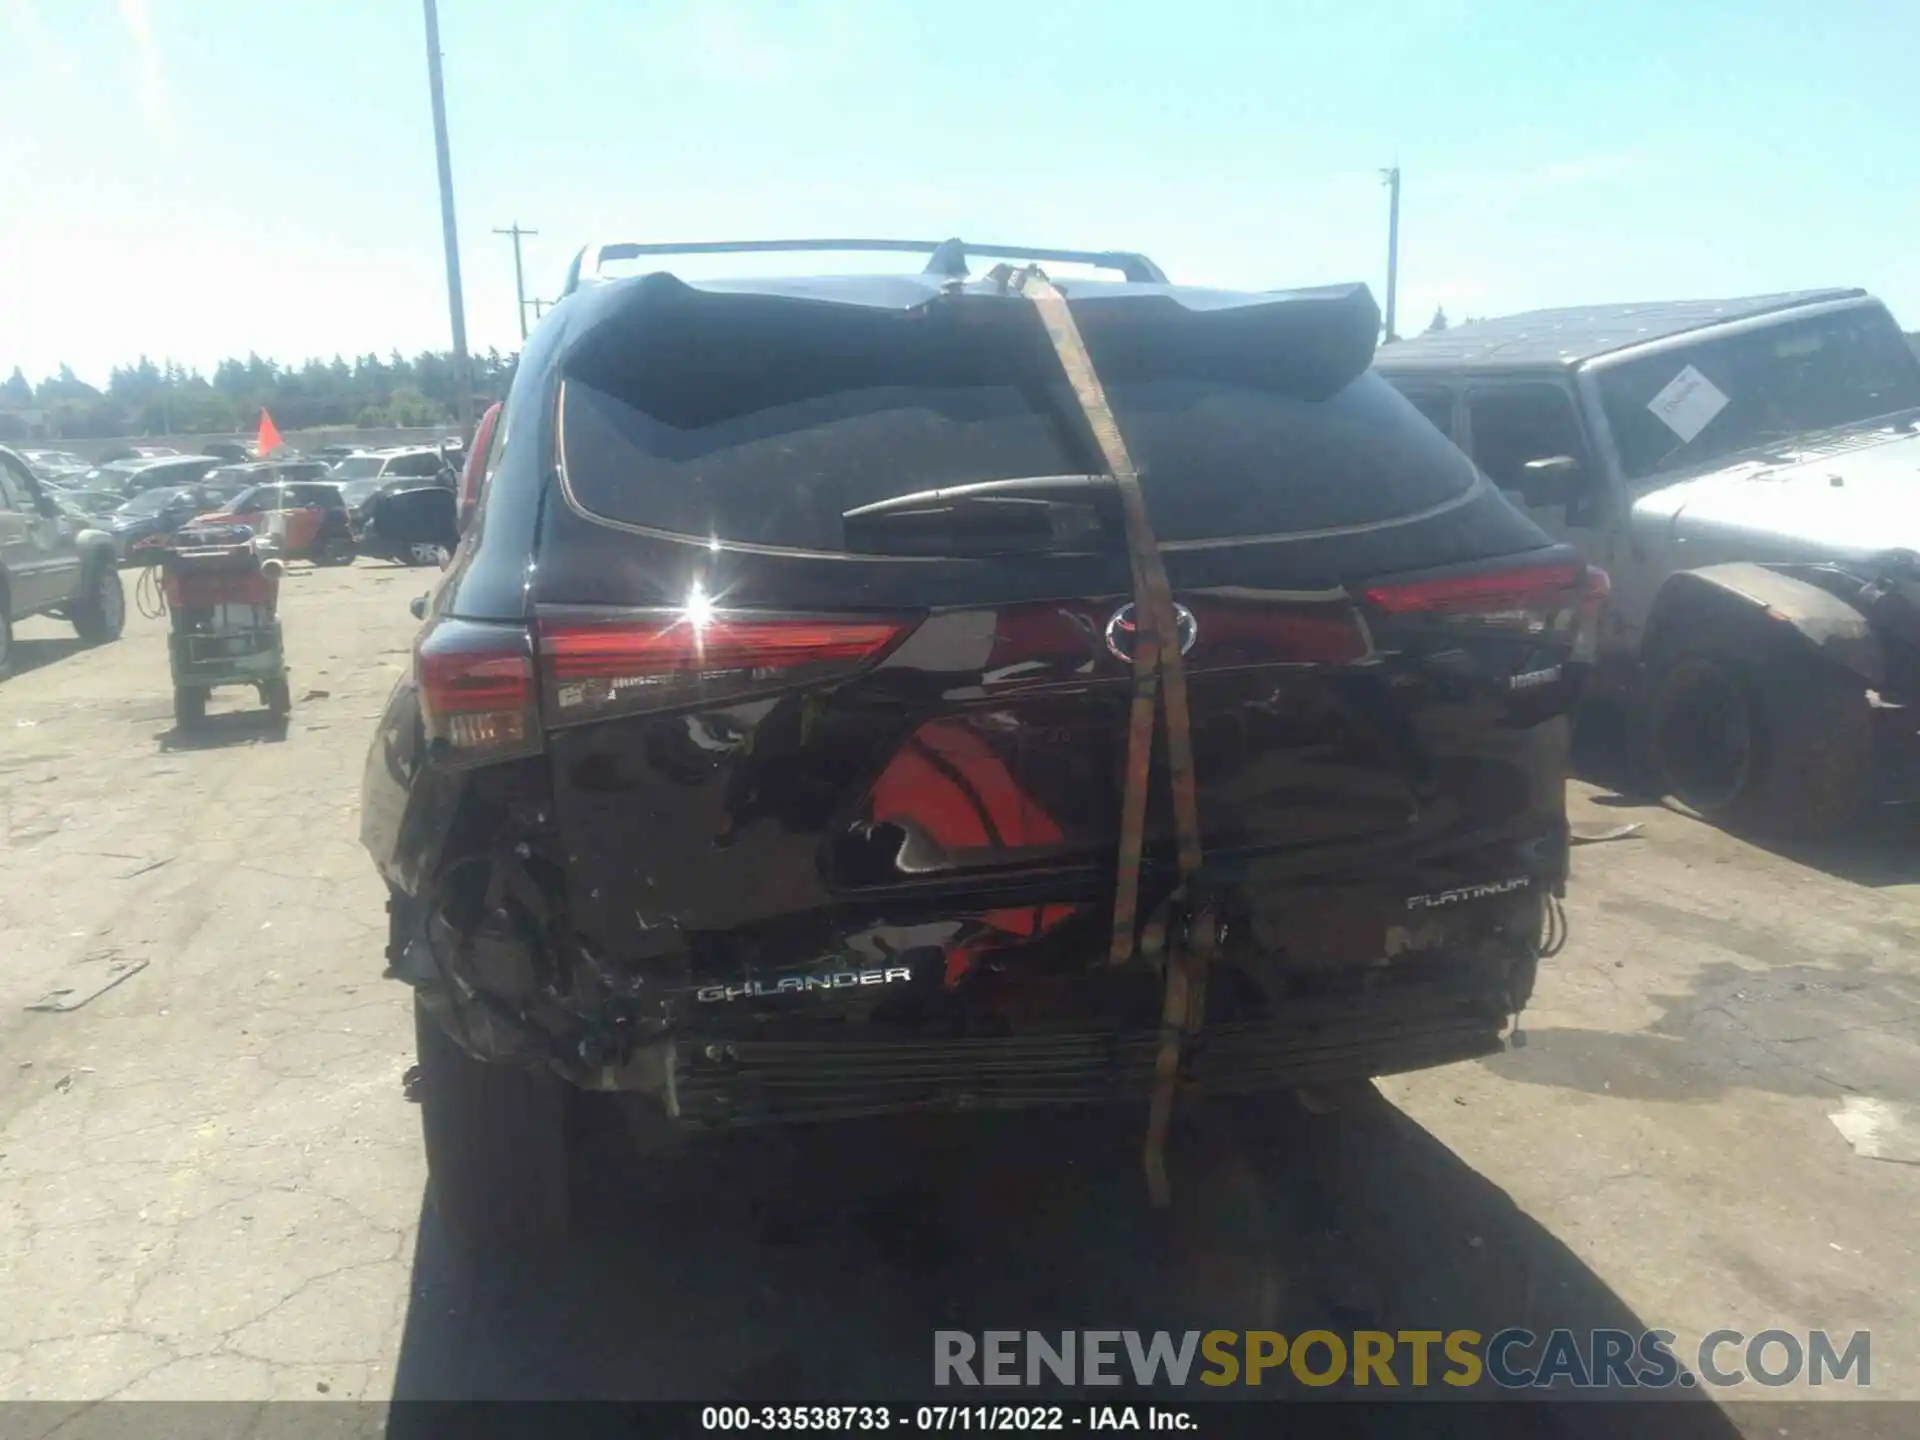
211, 1184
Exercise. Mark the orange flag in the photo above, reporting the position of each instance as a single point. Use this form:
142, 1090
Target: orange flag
269, 439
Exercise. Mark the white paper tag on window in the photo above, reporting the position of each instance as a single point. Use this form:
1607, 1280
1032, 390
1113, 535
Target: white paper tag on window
1688, 403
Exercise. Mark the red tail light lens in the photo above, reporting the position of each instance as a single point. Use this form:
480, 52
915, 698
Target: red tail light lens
649, 659
1232, 633
1533, 600
476, 691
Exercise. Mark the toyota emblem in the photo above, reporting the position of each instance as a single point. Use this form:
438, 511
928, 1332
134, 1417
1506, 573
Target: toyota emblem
1121, 630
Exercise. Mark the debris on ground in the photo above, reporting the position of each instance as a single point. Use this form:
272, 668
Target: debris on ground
1588, 833
318, 695
150, 865
63, 1084
1879, 1129
94, 975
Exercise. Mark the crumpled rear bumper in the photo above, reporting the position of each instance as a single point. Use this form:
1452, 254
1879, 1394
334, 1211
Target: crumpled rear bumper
722, 1083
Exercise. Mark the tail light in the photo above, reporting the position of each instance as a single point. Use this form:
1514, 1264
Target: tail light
644, 660
1050, 640
1526, 602
476, 691
1232, 633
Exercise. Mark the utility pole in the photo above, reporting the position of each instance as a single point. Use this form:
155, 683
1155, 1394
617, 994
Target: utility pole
519, 277
540, 307
462, 367
1391, 178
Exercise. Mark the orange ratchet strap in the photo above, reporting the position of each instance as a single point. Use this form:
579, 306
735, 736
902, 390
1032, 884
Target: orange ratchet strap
1159, 680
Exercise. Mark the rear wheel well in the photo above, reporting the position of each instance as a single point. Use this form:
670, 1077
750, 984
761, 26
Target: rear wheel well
1690, 614
1803, 742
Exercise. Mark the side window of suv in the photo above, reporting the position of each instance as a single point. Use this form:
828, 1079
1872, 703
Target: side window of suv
415, 467
1512, 425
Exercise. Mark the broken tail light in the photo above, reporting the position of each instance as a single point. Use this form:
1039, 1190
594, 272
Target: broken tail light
1556, 600
476, 691
626, 661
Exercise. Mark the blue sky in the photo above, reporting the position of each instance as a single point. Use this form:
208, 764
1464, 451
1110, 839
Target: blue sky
195, 178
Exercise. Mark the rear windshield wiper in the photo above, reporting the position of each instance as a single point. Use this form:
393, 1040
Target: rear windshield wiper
1041, 514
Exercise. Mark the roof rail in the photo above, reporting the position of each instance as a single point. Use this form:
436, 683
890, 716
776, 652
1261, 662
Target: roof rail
945, 257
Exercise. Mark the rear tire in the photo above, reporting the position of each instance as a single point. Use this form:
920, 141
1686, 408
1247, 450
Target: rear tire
6, 638
277, 697
496, 1142
101, 614
189, 707
1781, 747
336, 552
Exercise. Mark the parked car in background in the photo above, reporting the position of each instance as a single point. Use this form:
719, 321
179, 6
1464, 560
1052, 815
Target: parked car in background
410, 463
96, 503
365, 478
762, 755
229, 480
51, 563
358, 496
228, 450
141, 527
111, 476
52, 464
316, 524
333, 453
410, 522
166, 473
1746, 469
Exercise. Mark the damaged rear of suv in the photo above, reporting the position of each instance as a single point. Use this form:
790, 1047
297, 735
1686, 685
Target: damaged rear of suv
765, 754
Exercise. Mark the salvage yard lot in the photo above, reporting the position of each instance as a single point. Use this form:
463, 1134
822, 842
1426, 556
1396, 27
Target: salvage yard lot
211, 1186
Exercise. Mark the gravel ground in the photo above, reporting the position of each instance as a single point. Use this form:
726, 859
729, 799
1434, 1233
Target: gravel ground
210, 1178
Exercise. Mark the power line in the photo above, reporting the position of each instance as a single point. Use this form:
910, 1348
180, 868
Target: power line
519, 276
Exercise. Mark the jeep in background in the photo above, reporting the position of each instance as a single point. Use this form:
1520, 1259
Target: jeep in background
1748, 472
52, 565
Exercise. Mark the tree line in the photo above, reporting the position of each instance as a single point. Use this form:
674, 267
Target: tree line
171, 399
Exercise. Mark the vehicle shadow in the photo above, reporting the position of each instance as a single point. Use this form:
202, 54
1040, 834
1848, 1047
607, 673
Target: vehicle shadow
1883, 850
233, 727
816, 1265
28, 655
1818, 1025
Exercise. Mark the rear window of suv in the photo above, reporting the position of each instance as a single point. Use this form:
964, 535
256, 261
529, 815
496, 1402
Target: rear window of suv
1217, 459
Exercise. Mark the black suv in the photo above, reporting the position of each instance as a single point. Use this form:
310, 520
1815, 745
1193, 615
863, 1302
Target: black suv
51, 563
762, 754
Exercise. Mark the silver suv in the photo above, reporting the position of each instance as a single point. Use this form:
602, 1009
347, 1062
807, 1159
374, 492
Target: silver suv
1748, 472
51, 563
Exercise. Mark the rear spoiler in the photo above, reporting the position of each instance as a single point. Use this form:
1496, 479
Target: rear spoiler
945, 257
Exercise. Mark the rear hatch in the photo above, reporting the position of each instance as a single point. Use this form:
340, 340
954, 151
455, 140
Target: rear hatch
833, 625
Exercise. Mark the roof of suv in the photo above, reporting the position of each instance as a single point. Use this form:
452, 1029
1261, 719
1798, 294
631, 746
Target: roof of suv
1570, 337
